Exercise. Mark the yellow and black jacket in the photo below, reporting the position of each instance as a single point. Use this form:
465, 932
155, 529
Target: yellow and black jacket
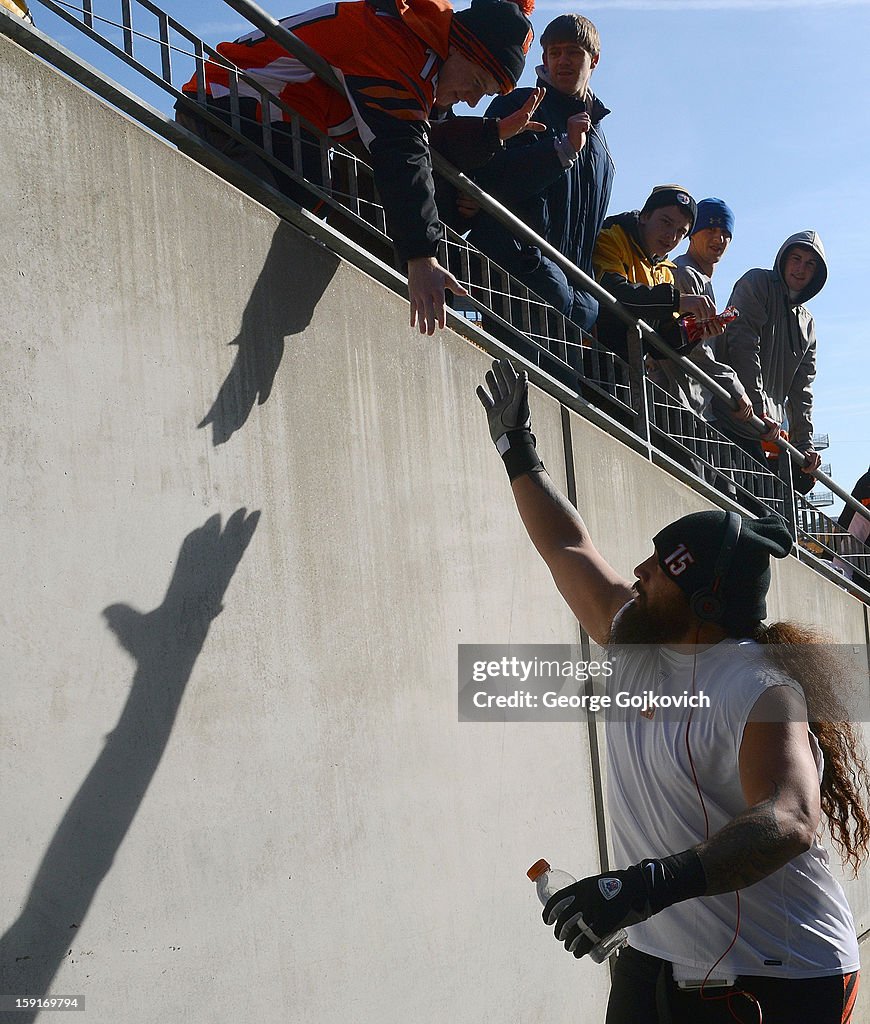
644, 286
18, 7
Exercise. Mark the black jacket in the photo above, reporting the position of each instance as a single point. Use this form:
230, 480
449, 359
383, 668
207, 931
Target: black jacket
566, 206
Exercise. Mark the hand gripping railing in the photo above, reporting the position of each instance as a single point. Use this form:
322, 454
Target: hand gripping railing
266, 23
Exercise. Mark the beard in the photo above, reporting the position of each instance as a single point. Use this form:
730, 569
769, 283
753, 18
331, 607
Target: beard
638, 623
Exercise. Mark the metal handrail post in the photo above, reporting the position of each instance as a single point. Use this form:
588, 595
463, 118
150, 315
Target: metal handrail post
637, 383
785, 474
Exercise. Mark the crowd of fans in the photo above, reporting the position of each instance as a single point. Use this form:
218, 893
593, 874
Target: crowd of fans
543, 154
559, 180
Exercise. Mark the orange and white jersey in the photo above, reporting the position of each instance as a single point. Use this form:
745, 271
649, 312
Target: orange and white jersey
387, 55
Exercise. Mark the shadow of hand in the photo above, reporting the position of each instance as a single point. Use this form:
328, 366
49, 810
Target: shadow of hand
291, 283
165, 643
205, 565
249, 381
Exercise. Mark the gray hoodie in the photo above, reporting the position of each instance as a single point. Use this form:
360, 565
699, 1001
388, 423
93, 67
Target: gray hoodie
772, 345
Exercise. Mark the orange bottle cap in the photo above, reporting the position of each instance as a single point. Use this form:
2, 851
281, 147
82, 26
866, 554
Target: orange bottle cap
537, 869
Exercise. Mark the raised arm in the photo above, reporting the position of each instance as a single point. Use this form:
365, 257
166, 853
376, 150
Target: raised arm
592, 588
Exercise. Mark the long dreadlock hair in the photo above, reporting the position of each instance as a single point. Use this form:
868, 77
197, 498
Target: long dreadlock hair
805, 655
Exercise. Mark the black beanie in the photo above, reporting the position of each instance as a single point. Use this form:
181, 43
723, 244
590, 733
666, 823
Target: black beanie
496, 35
688, 551
671, 195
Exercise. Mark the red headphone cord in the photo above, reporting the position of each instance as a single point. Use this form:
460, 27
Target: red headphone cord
739, 992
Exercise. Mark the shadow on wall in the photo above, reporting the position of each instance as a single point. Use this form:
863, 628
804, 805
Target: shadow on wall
289, 287
165, 643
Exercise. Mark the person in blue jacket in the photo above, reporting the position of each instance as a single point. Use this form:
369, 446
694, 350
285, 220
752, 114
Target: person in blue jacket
557, 181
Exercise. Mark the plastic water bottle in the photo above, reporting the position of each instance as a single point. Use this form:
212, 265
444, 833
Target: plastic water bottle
549, 881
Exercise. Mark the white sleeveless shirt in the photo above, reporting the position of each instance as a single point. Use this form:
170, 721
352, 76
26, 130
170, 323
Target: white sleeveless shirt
795, 923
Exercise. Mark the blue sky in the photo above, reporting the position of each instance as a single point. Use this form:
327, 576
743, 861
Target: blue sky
760, 102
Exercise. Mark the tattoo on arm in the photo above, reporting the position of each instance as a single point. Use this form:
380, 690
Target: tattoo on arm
750, 847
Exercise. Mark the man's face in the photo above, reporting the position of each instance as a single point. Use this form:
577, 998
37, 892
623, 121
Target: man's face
569, 67
663, 229
660, 612
799, 267
709, 244
461, 81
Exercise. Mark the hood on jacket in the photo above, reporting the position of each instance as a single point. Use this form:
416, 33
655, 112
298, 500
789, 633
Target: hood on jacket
811, 239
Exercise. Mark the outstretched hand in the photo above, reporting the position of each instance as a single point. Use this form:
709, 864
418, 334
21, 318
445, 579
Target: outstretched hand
427, 283
507, 404
521, 120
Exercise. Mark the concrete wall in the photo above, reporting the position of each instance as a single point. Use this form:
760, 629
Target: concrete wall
249, 515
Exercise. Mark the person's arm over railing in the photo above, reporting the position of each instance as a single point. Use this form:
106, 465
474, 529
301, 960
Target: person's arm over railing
395, 135
800, 399
702, 356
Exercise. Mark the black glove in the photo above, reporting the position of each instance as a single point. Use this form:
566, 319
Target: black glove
593, 908
507, 409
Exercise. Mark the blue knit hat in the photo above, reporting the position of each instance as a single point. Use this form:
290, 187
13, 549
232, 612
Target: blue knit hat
714, 213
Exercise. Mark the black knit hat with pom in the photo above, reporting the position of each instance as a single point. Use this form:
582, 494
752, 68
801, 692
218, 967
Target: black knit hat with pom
688, 552
496, 35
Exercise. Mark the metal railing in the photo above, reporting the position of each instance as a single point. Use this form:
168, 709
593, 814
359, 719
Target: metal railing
826, 540
710, 456
316, 173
